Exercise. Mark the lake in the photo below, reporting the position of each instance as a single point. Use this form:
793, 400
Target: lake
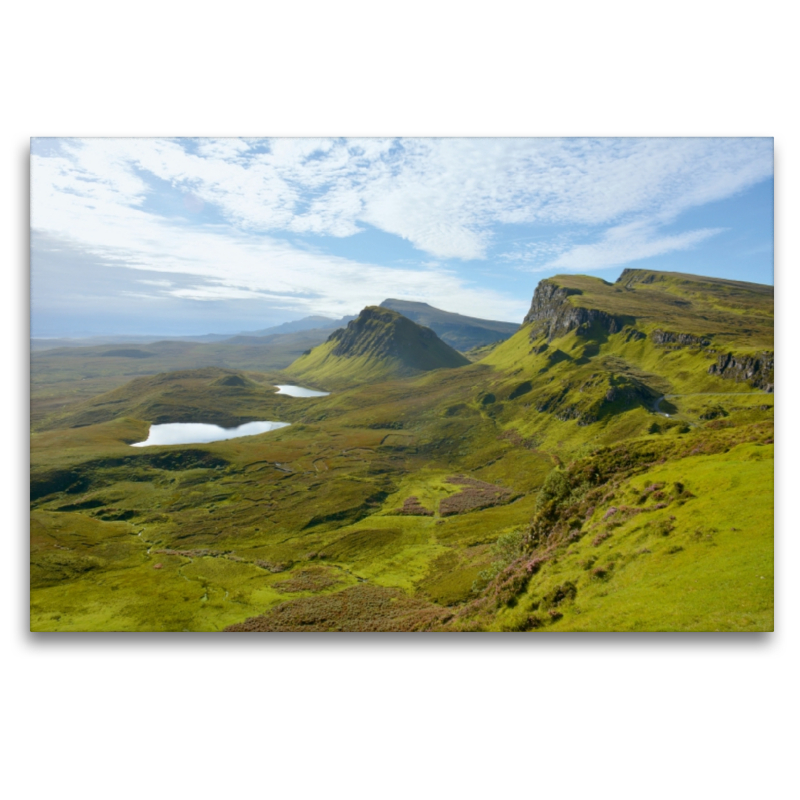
202, 433
299, 391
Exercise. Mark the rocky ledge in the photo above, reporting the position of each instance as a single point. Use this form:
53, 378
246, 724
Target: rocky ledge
758, 370
551, 313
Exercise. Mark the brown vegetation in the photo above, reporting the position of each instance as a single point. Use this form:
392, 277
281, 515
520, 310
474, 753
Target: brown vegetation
477, 494
359, 608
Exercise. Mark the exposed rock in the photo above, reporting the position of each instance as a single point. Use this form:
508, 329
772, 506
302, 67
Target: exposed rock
668, 338
552, 314
633, 334
758, 370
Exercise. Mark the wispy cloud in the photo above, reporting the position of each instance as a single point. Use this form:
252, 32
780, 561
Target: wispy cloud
442, 195
624, 244
447, 197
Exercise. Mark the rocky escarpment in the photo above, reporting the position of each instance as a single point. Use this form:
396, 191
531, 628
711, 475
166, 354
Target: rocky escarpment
553, 315
758, 370
675, 340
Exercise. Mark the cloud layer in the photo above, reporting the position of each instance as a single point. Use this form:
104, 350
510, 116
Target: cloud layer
448, 197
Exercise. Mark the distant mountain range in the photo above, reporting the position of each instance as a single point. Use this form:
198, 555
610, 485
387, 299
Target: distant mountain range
462, 333
245, 337
305, 324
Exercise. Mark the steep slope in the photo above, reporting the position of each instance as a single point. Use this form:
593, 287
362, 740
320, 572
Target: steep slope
380, 344
462, 333
592, 352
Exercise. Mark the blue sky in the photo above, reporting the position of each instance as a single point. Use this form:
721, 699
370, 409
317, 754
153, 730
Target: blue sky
192, 236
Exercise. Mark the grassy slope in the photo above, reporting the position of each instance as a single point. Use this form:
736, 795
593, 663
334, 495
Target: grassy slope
378, 345
302, 514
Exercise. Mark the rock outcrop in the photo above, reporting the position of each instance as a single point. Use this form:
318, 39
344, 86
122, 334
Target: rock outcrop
552, 314
675, 340
758, 370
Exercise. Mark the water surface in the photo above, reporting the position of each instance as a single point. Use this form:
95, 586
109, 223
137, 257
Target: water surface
299, 391
202, 433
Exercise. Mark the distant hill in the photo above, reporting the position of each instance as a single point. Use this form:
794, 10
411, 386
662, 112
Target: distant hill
380, 344
305, 324
462, 333
245, 337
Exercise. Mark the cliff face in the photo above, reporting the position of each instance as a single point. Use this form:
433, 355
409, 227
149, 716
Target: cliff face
757, 370
552, 313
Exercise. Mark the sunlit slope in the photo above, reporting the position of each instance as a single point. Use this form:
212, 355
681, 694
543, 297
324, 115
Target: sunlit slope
605, 354
379, 344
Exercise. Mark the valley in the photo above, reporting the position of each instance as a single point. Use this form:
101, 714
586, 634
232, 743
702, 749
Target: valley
608, 466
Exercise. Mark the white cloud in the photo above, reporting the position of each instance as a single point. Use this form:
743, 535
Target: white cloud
229, 263
445, 196
626, 243
442, 195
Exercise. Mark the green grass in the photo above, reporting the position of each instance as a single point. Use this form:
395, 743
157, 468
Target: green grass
302, 522
713, 570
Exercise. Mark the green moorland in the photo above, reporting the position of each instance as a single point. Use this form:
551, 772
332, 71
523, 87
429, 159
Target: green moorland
63, 376
608, 467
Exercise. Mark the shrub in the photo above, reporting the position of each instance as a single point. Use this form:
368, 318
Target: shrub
561, 593
555, 489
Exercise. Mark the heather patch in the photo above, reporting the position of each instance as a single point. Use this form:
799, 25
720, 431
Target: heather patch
475, 495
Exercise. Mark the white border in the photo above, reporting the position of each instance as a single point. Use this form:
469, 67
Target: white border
601, 716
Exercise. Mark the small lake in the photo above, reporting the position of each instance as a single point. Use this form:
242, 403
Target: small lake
202, 433
299, 391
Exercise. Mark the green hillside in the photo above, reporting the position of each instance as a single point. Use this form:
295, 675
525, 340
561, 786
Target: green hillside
608, 467
459, 331
379, 344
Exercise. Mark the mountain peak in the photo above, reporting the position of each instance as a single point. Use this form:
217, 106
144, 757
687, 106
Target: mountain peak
379, 344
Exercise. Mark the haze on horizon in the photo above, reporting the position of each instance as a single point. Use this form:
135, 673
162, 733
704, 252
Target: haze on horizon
195, 236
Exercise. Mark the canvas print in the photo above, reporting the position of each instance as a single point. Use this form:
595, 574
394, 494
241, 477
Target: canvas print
401, 384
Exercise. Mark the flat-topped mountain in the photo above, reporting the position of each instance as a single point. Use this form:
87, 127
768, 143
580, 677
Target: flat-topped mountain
731, 312
590, 350
462, 333
380, 344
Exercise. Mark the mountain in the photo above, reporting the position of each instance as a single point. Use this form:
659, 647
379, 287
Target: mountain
305, 324
460, 332
380, 344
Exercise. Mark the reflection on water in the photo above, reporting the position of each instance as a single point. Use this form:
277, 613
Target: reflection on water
299, 391
201, 433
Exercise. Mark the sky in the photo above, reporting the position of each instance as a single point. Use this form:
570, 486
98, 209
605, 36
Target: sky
193, 236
